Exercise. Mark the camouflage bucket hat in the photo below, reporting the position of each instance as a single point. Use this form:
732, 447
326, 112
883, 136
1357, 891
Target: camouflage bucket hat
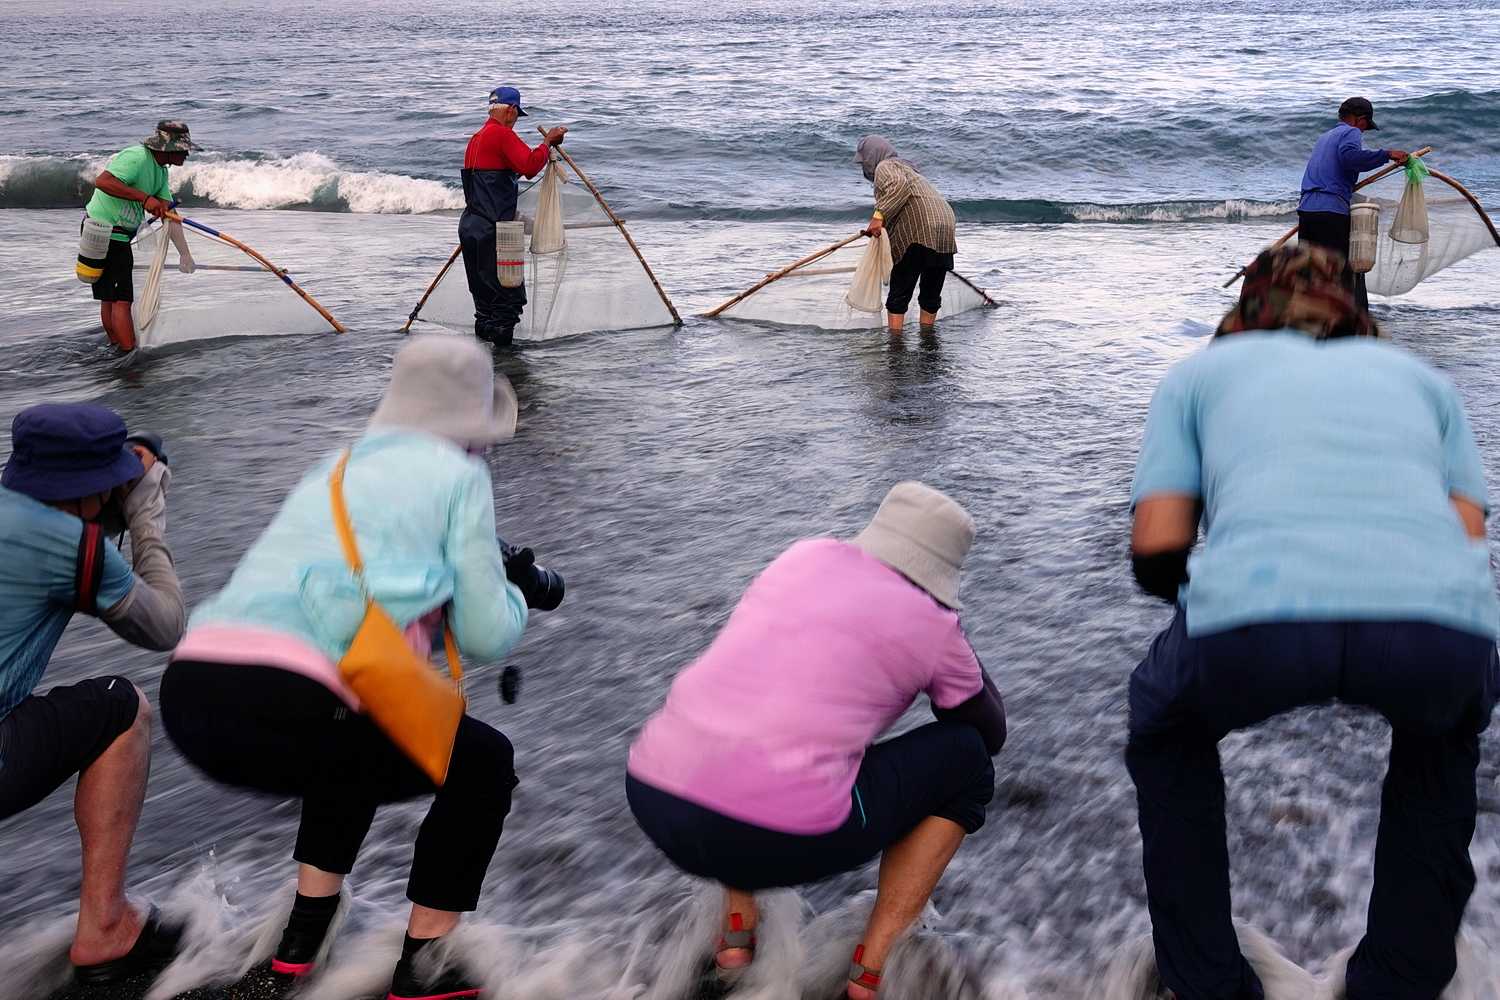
170, 137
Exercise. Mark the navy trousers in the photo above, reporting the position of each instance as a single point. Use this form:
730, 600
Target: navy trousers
1436, 686
495, 306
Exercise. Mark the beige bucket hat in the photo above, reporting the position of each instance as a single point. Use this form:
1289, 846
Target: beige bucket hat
922, 534
446, 385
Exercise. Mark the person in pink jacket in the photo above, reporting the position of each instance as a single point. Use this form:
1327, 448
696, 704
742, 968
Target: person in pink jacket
830, 645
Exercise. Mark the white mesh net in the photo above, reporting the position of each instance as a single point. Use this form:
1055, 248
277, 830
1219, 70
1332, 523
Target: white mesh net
816, 294
1455, 230
229, 294
595, 282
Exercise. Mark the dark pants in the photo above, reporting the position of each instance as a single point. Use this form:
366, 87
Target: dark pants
941, 769
1331, 230
278, 732
117, 283
496, 308
48, 738
918, 262
1435, 685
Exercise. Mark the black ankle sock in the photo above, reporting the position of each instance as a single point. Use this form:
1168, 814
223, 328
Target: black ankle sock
410, 946
306, 927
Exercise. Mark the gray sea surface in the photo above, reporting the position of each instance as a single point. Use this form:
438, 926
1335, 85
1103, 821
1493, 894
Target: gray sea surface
1112, 164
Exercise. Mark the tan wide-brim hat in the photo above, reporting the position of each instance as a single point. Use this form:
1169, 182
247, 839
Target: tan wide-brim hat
922, 534
446, 385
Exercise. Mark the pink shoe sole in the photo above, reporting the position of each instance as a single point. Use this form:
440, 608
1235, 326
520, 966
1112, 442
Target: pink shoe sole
460, 995
298, 969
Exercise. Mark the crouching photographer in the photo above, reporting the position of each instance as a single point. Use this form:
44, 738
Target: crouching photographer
71, 464
310, 675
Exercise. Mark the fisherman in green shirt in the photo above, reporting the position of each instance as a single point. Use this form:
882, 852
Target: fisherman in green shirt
134, 183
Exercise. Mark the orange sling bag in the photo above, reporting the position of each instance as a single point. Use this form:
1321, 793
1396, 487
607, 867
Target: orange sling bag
414, 705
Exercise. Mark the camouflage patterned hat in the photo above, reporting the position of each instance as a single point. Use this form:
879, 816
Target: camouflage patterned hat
170, 137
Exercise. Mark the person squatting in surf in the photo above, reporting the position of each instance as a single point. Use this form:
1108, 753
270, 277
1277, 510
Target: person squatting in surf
1342, 501
71, 467
829, 646
133, 184
493, 160
920, 226
1328, 185
254, 695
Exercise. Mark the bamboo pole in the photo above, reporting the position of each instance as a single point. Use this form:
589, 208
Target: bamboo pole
982, 293
423, 300
1472, 201
620, 225
272, 267
1368, 180
784, 271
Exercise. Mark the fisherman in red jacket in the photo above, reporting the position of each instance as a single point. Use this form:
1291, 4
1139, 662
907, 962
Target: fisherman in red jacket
496, 156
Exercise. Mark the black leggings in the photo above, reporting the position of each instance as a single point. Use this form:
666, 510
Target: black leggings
275, 731
918, 262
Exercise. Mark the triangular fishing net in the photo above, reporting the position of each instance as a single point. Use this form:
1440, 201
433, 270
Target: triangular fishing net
1456, 228
594, 282
229, 294
816, 293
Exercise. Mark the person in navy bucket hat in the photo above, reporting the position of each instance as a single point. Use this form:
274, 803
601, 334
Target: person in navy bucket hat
70, 465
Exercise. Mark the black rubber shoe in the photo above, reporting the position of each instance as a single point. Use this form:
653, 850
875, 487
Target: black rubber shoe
450, 984
152, 952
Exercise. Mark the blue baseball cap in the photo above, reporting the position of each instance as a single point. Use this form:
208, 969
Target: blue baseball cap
63, 451
507, 95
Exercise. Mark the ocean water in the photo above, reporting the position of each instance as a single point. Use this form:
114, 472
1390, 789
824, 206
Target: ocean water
1111, 164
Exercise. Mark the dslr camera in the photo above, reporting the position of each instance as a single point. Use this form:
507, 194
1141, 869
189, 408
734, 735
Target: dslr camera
542, 588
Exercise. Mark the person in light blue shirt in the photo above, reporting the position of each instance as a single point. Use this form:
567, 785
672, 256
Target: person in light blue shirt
1342, 502
1337, 159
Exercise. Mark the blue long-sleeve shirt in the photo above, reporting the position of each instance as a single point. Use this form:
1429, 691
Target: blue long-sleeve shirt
1337, 159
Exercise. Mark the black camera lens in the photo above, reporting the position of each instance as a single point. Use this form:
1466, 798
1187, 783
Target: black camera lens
547, 592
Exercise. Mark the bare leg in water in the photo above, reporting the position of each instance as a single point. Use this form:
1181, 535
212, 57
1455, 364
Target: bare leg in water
118, 325
106, 808
425, 922
896, 322
909, 871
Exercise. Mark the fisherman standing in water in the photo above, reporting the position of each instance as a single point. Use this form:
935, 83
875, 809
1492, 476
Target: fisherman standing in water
493, 159
921, 227
1328, 185
134, 183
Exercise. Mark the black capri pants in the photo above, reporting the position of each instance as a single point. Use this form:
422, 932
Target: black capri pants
279, 732
941, 769
918, 263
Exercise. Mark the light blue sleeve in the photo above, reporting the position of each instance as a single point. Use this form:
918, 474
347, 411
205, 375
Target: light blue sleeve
118, 579
1465, 470
489, 612
1171, 460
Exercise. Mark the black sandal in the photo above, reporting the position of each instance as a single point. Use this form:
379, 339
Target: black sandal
153, 951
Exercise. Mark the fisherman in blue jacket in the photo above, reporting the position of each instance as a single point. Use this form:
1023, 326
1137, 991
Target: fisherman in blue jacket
1337, 159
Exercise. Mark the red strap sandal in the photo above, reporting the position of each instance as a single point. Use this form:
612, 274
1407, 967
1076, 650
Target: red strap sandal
735, 937
861, 976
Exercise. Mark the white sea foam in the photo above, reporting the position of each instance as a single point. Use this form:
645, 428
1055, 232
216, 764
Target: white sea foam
316, 180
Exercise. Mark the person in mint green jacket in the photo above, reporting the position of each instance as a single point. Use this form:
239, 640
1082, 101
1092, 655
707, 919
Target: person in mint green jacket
254, 696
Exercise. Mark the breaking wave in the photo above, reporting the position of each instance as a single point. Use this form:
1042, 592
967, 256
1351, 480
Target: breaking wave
314, 182
307, 181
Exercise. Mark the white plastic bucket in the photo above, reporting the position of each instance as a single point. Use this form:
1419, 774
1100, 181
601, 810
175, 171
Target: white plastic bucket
1364, 224
93, 247
510, 253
